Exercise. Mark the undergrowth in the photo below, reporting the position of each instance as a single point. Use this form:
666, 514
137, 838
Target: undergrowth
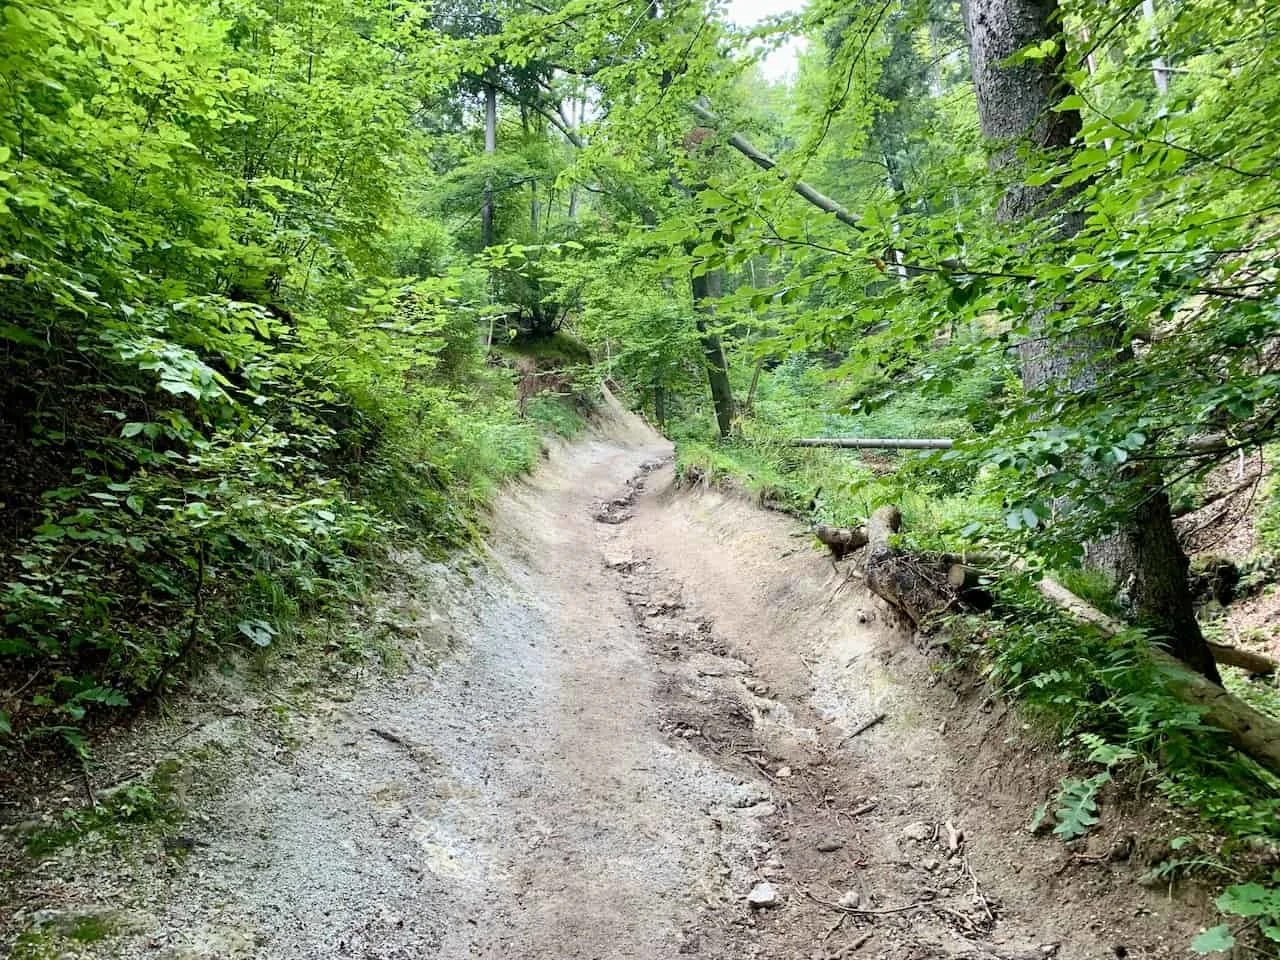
219, 510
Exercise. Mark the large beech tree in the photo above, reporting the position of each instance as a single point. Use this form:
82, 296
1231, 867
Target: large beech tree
1016, 107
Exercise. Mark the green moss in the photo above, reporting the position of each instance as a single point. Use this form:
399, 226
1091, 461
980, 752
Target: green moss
54, 937
34, 945
91, 929
122, 816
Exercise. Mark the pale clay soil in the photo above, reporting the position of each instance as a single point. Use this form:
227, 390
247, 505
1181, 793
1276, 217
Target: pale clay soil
634, 712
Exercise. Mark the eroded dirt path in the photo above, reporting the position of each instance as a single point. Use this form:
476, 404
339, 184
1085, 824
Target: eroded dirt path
643, 710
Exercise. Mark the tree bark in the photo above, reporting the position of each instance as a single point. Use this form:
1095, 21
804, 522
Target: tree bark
490, 148
1159, 69
1015, 109
706, 291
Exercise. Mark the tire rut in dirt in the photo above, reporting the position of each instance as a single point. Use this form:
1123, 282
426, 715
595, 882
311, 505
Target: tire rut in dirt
848, 874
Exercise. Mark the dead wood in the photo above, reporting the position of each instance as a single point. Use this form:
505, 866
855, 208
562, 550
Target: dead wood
922, 589
1246, 660
841, 540
918, 586
864, 911
1252, 732
964, 577
864, 727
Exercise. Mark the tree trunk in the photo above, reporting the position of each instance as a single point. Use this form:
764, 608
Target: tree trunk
490, 148
1015, 108
1159, 70
706, 291
659, 403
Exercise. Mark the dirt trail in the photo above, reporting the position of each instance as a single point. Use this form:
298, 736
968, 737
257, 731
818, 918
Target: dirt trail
638, 713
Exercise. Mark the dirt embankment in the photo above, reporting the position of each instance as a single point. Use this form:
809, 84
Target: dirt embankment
641, 729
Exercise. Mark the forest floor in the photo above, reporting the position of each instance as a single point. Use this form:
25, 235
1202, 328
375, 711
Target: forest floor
643, 710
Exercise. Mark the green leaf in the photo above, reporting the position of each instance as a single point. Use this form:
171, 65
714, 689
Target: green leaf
1077, 809
259, 631
15, 334
1249, 900
1214, 940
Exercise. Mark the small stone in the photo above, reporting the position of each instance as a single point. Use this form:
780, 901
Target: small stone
1121, 849
746, 795
850, 900
763, 895
930, 864
782, 773
829, 845
918, 831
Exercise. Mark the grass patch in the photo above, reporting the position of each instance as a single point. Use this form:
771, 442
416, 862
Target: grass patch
556, 414
1094, 586
832, 486
560, 346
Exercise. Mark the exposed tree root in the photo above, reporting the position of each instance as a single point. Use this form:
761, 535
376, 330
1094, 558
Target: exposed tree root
922, 589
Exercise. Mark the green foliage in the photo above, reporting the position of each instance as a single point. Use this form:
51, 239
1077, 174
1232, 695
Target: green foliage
137, 805
1256, 903
1076, 809
237, 367
556, 415
1094, 586
1268, 523
242, 296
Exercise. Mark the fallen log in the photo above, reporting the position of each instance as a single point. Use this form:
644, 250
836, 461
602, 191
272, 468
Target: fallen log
918, 587
1079, 609
876, 443
1247, 660
1252, 732
840, 540
962, 576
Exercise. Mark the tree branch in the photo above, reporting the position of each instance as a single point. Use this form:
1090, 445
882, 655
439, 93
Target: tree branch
766, 162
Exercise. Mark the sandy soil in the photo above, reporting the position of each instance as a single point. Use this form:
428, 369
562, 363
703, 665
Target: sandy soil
644, 710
